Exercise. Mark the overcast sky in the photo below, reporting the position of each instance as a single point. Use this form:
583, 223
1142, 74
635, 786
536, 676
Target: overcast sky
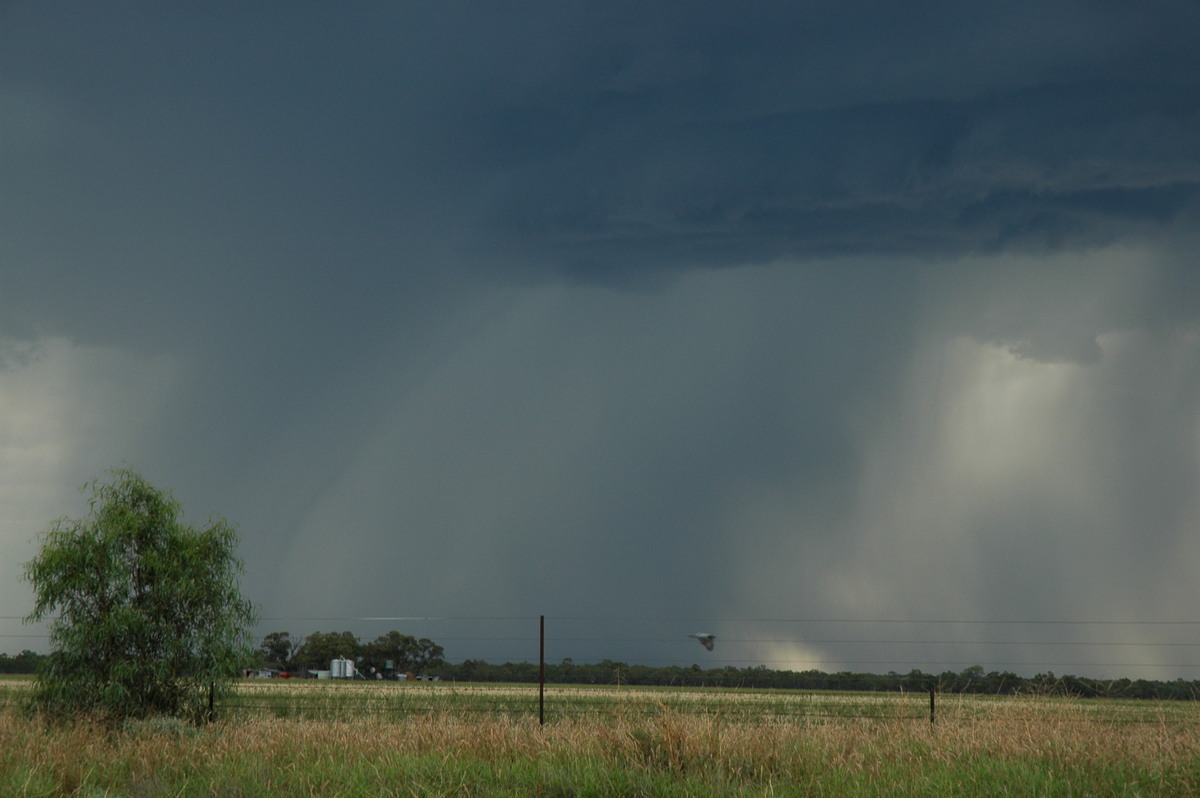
793, 322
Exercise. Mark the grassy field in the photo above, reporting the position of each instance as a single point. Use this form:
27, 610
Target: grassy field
331, 739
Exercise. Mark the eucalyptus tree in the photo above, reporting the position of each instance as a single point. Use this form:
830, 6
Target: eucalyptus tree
277, 650
319, 649
146, 615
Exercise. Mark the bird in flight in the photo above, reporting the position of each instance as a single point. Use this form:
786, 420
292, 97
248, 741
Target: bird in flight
705, 639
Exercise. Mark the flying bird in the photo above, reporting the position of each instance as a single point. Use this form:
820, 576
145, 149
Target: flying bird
705, 639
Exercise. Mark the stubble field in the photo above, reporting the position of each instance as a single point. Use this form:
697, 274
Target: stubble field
353, 739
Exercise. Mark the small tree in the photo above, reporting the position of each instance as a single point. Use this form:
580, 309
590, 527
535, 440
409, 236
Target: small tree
429, 655
405, 652
321, 648
277, 650
149, 612
397, 648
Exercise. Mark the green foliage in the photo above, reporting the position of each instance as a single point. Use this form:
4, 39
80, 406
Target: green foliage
146, 611
423, 656
277, 650
405, 652
970, 681
25, 662
321, 648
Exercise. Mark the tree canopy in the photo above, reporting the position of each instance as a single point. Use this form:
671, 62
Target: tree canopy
146, 614
387, 654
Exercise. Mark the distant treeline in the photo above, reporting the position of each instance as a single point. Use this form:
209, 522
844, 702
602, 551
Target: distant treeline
25, 662
971, 680
607, 672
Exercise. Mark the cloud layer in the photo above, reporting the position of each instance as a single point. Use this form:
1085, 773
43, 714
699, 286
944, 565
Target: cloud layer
610, 312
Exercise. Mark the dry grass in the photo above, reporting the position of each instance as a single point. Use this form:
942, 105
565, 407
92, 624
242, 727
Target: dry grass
982, 747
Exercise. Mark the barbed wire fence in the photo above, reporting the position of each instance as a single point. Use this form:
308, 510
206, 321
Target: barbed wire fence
516, 639
1155, 648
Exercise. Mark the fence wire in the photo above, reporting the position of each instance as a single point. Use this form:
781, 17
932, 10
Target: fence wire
349, 702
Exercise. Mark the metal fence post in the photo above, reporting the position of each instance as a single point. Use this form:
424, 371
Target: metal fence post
542, 672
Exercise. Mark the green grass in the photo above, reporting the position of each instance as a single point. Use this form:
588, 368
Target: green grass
446, 739
331, 700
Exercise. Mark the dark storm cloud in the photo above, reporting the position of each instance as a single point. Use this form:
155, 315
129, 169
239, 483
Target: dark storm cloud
602, 140
981, 138
718, 311
1100, 162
